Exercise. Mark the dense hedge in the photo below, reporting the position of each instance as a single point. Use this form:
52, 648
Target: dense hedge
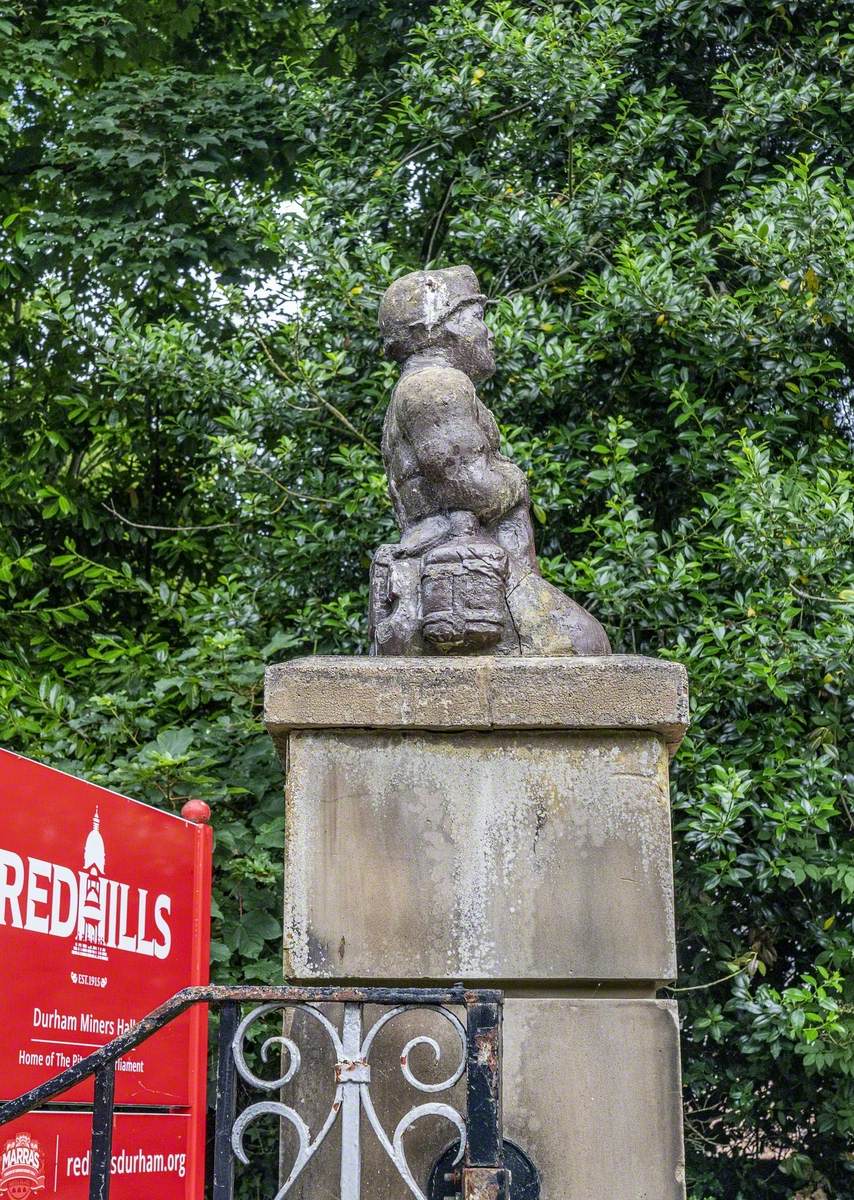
203, 203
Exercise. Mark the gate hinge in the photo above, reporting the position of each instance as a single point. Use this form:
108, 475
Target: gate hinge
486, 1183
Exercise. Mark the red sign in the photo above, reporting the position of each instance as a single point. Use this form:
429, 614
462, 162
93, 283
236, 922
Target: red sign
47, 1154
104, 914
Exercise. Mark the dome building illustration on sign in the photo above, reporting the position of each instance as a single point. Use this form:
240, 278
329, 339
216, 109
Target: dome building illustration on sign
91, 925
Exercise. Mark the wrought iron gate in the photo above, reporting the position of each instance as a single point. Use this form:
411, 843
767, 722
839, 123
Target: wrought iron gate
476, 1169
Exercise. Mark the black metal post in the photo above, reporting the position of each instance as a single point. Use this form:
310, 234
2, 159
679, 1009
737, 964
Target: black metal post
484, 1177
226, 1100
484, 1085
102, 1132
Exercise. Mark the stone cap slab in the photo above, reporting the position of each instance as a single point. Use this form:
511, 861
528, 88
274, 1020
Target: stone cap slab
618, 691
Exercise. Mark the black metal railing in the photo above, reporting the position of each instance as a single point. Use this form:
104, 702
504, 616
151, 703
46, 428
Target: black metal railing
480, 1175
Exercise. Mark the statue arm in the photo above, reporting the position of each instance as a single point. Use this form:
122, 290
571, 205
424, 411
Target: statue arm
455, 442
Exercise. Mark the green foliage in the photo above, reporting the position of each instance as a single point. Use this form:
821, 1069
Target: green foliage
202, 204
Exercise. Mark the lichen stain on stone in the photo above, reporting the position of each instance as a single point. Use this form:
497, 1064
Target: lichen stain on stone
295, 930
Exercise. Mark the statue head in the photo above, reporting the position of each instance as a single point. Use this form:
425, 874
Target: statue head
438, 310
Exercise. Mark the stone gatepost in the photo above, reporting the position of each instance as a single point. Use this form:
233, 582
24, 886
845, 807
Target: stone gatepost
505, 822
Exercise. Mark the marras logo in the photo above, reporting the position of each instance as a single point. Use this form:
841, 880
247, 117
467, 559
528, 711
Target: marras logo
99, 913
21, 1168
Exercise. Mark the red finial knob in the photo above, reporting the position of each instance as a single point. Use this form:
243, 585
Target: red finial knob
196, 811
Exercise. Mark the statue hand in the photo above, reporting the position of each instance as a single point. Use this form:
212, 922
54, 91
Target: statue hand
422, 536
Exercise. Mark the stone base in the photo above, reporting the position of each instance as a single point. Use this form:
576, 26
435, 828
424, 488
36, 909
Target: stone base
591, 1095
505, 822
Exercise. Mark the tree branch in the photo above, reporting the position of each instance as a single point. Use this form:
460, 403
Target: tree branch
227, 524
435, 230
290, 491
168, 528
818, 599
570, 269
328, 405
499, 116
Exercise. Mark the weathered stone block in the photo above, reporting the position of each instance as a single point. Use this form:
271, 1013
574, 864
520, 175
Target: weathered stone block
605, 692
592, 1094
478, 856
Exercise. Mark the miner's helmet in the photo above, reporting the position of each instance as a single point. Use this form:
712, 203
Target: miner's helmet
416, 306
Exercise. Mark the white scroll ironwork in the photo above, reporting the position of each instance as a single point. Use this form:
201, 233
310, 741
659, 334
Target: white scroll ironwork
352, 1092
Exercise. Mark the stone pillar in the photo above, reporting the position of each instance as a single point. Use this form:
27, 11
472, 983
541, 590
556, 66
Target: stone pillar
504, 822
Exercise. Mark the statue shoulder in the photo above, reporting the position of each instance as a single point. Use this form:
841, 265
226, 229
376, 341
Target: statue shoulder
424, 400
433, 387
